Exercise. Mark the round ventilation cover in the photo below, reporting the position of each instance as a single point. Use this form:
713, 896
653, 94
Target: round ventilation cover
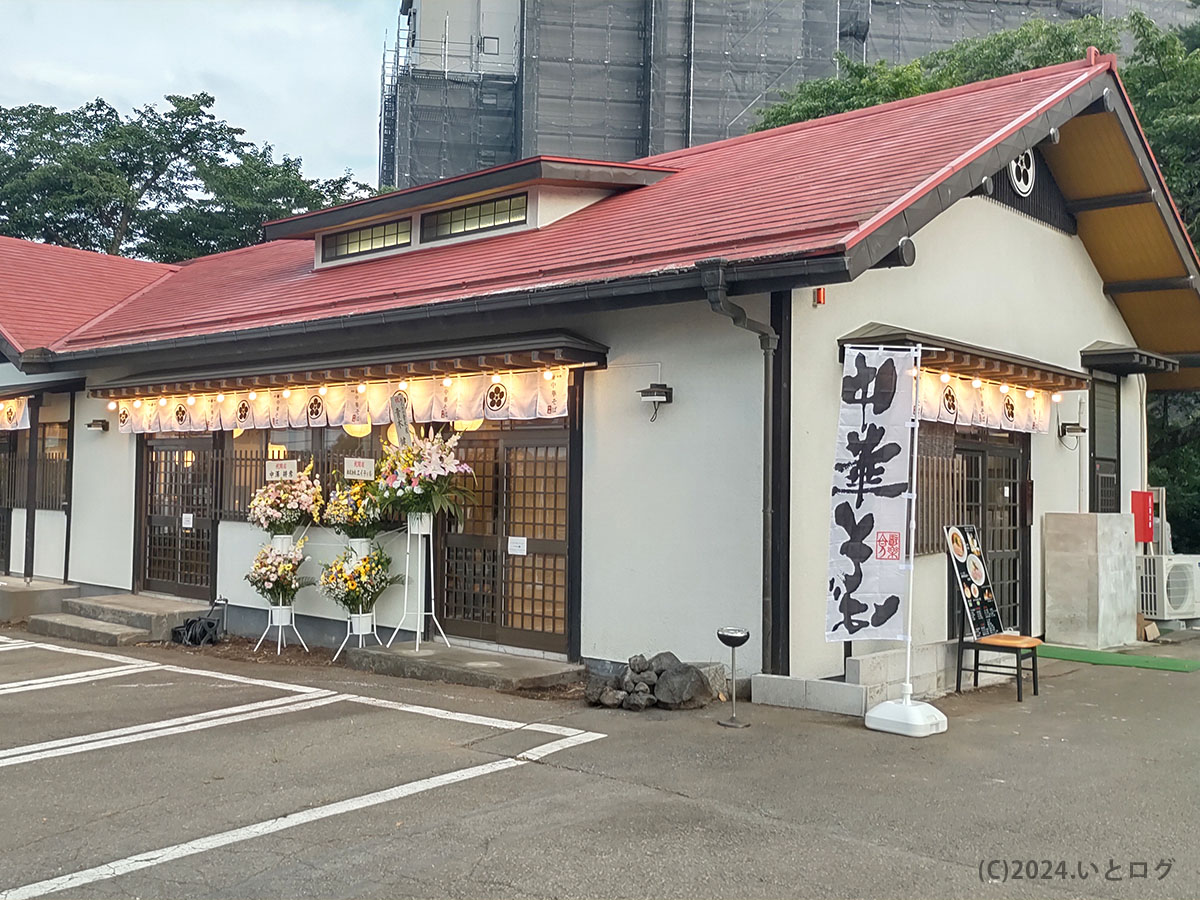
1181, 582
1021, 172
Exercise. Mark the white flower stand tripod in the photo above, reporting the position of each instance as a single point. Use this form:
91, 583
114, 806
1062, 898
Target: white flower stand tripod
419, 525
281, 618
359, 625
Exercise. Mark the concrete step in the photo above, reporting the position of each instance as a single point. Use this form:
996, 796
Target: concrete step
19, 601
86, 631
154, 615
458, 665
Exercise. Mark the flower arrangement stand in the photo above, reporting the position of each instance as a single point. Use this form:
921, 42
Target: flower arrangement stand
359, 625
281, 618
423, 527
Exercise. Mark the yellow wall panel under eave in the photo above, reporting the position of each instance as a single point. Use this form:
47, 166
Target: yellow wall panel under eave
1163, 321
1093, 159
1183, 380
1130, 243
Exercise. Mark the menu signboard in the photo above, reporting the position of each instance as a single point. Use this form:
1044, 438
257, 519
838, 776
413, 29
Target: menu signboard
974, 585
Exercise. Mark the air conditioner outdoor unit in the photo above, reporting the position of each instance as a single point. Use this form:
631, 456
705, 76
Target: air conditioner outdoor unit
1169, 586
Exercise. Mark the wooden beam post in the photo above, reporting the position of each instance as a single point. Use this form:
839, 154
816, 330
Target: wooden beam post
31, 480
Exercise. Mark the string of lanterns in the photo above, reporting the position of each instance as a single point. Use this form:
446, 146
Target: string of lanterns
977, 384
360, 387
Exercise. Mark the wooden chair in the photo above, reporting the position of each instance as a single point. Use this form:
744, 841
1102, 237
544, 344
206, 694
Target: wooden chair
1021, 646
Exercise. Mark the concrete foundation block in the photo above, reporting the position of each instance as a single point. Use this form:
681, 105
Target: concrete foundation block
779, 690
924, 685
1091, 582
869, 669
19, 601
837, 697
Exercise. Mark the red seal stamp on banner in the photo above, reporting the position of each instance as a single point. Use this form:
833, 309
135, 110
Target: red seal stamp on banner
887, 545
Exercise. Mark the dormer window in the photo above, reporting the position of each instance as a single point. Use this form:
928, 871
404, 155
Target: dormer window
474, 218
371, 239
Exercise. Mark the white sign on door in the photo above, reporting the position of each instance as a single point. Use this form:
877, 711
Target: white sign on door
358, 469
281, 469
188, 520
517, 546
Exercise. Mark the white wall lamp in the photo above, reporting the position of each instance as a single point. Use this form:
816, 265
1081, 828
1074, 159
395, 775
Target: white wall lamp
658, 394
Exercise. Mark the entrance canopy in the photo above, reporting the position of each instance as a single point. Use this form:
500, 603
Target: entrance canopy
521, 378
968, 361
493, 355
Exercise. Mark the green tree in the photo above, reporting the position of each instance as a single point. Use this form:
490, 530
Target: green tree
1036, 43
1173, 430
237, 197
165, 185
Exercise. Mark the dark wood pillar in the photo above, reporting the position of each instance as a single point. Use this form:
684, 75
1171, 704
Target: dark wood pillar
31, 481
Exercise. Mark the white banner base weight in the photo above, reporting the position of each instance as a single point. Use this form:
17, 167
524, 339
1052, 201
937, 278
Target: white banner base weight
906, 716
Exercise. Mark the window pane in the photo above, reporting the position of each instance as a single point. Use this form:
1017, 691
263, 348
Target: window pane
364, 240
474, 217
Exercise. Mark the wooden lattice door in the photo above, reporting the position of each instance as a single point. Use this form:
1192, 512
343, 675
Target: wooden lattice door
180, 502
489, 588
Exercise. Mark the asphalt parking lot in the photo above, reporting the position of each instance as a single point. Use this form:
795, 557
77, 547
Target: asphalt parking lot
153, 773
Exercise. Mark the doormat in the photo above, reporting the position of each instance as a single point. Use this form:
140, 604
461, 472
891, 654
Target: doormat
1112, 658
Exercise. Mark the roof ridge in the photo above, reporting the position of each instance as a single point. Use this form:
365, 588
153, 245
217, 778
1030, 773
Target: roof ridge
234, 251
120, 304
1105, 61
91, 254
1086, 74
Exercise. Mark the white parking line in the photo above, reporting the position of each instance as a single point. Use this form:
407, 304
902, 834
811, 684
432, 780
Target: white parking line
272, 826
299, 704
311, 697
37, 684
150, 726
14, 645
95, 654
431, 711
242, 679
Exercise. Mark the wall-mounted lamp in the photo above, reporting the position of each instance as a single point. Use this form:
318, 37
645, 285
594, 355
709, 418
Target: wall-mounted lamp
1065, 428
658, 394
97, 425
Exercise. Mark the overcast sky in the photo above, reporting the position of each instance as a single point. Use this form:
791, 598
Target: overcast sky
302, 75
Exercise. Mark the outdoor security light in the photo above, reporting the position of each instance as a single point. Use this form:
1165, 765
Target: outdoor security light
97, 425
657, 394
1065, 428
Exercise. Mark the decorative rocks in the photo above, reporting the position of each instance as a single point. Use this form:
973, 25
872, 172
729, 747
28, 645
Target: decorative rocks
662, 680
612, 698
683, 687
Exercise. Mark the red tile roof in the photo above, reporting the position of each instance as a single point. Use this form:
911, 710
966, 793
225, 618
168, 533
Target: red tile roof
47, 291
811, 188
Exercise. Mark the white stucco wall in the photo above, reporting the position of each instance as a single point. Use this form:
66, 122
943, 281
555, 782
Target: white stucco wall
102, 496
987, 276
672, 509
238, 542
49, 542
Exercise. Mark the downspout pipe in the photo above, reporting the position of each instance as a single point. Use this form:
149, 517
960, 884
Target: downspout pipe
714, 280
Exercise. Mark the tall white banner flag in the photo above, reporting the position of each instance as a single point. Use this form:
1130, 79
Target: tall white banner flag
868, 537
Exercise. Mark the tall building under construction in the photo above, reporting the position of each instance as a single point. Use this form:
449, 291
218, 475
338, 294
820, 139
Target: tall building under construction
474, 83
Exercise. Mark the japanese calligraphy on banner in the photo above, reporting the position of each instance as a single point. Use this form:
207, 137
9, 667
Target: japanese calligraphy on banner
958, 402
868, 537
517, 395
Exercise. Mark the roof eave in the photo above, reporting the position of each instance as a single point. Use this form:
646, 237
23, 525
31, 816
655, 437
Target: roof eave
578, 173
759, 275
